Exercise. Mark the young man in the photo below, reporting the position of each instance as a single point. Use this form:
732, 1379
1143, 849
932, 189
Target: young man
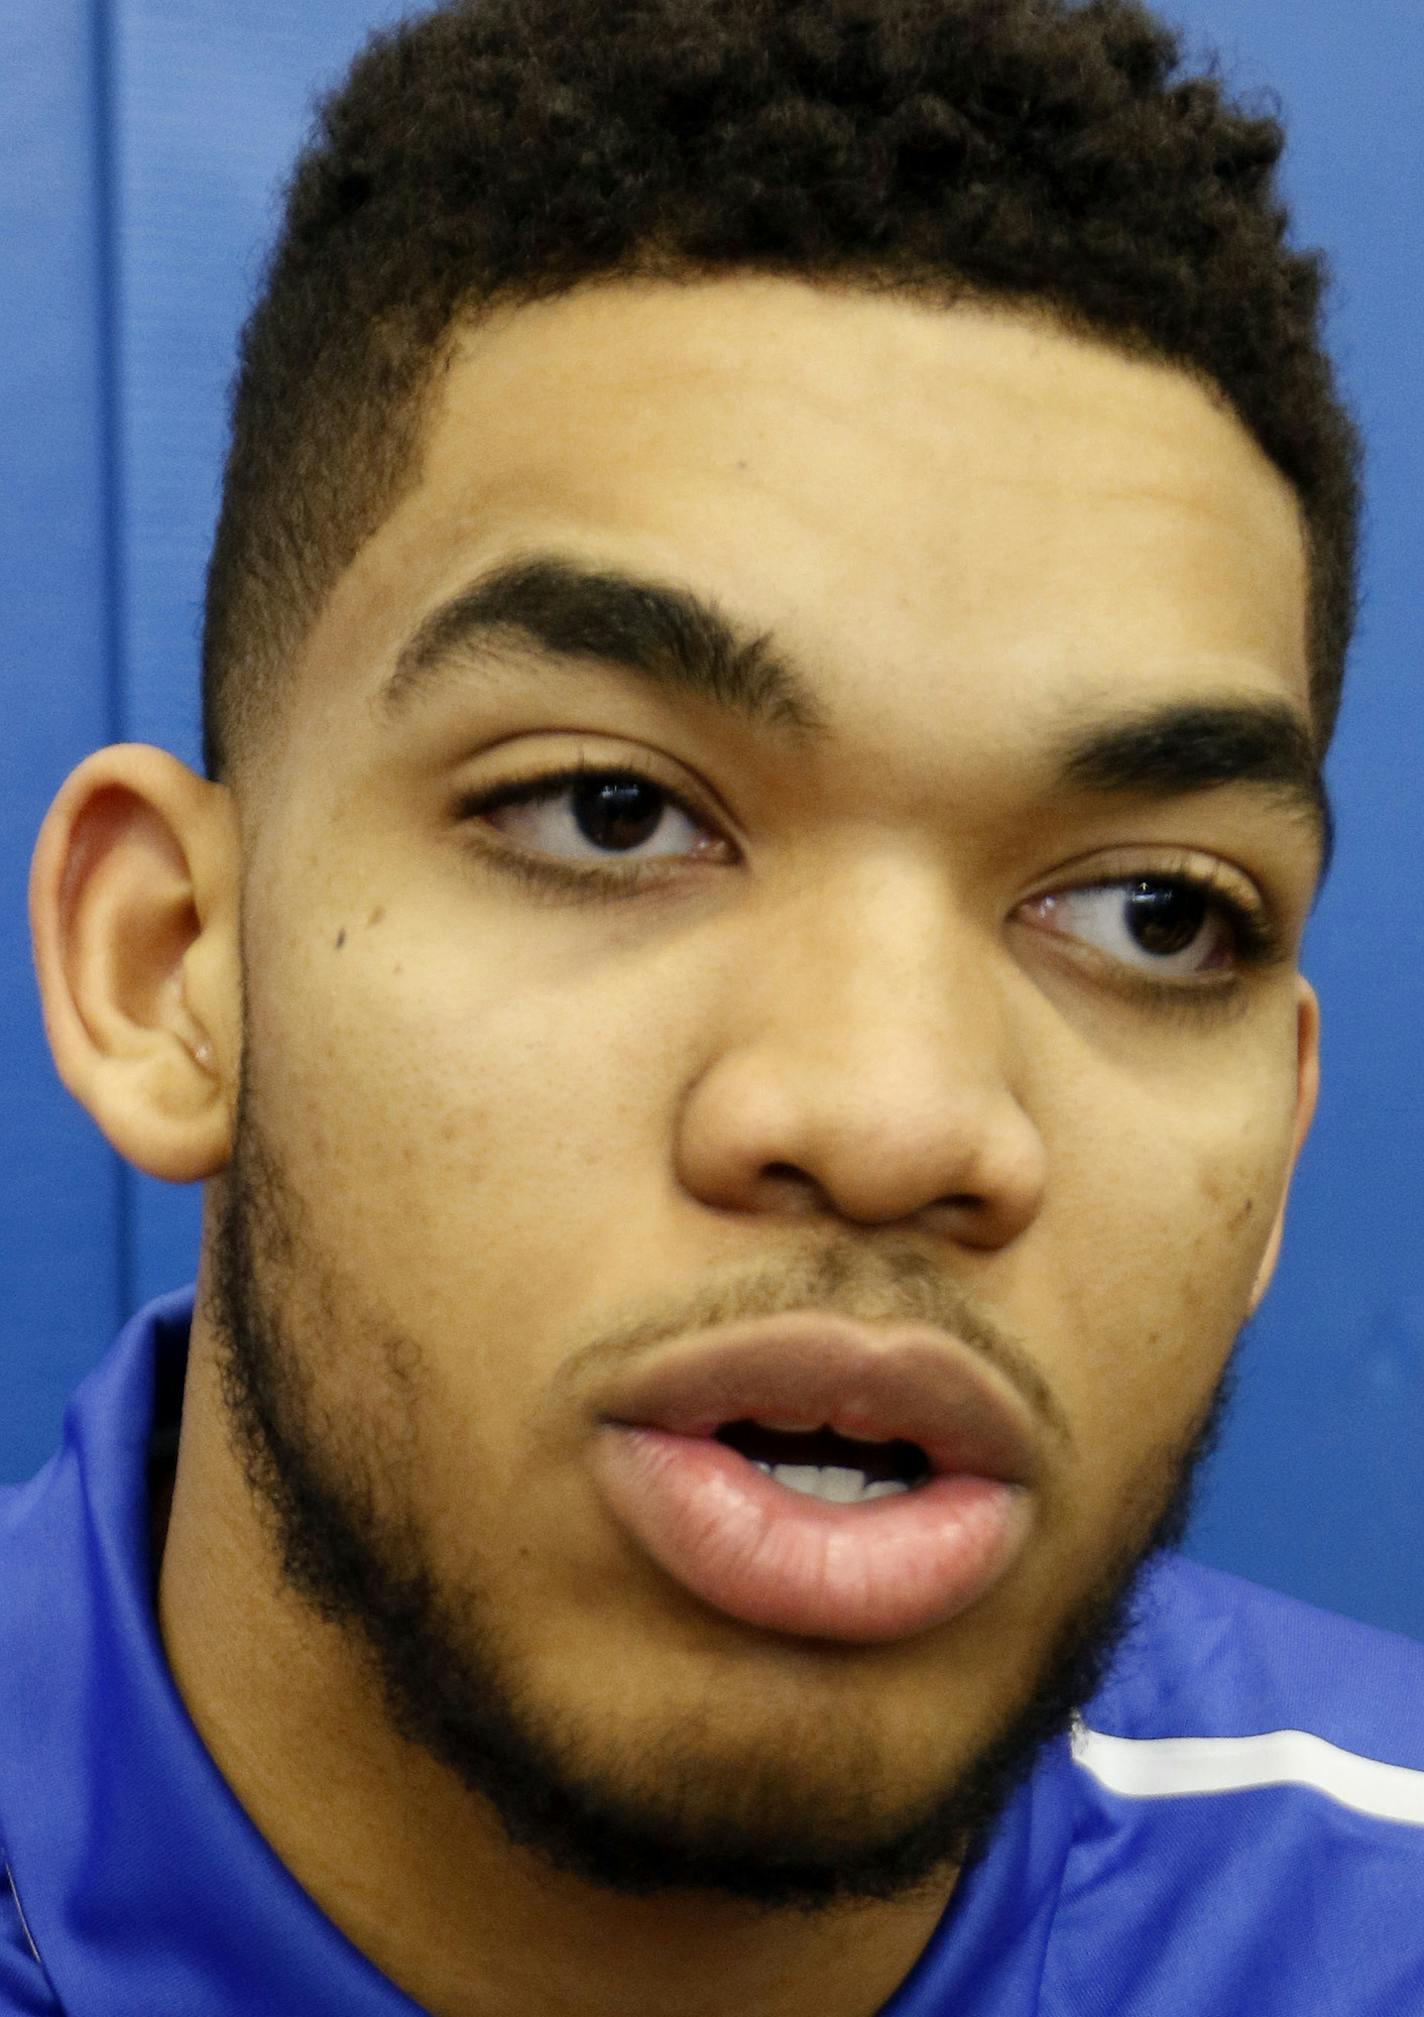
782, 588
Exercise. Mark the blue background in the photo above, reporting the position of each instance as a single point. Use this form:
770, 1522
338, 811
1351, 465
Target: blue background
141, 144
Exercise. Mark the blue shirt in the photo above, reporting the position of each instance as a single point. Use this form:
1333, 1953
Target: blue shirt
1236, 1829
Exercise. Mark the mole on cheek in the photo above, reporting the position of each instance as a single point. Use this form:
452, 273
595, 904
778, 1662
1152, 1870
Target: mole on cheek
341, 938
376, 915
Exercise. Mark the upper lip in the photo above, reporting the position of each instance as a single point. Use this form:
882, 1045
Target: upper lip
882, 1384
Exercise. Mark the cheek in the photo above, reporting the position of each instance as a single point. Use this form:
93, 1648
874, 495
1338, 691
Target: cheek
468, 1137
1151, 1248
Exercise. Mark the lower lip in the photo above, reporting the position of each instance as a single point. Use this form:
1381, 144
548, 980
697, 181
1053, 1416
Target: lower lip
769, 1556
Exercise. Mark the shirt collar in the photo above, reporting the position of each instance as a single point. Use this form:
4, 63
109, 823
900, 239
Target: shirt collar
144, 1884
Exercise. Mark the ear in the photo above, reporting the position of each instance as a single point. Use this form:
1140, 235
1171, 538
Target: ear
134, 921
1307, 1086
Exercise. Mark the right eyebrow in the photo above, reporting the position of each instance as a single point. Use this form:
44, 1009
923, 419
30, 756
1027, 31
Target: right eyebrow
569, 610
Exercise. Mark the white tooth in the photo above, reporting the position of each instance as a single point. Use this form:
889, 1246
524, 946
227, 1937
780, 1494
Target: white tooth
798, 1477
837, 1484
761, 1466
843, 1487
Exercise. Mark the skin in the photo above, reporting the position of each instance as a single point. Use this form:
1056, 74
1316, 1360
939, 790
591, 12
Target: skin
508, 1124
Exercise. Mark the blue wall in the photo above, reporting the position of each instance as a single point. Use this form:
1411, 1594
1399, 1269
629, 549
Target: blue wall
141, 144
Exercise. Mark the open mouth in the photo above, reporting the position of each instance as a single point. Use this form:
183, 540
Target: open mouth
748, 1467
822, 1464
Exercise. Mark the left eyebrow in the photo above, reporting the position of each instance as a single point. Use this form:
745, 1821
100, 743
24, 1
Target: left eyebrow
1196, 746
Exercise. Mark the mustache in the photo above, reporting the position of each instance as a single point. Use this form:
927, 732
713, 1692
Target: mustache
891, 1284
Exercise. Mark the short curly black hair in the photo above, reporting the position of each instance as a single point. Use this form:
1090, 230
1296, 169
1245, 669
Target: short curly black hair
502, 151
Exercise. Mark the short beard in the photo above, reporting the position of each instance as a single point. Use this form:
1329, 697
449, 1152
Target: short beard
447, 1690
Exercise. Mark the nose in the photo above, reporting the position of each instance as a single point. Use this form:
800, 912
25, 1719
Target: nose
867, 1066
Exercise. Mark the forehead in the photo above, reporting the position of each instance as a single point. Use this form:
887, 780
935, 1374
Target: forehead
954, 502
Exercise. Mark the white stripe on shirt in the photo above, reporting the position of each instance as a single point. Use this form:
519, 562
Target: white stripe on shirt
1156, 1768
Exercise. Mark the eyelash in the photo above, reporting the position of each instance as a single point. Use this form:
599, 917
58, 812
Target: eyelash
587, 881
1258, 942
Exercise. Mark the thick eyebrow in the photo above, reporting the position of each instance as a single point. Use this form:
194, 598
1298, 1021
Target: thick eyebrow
666, 635
1187, 747
677, 640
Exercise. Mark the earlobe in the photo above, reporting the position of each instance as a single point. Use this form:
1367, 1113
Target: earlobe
133, 918
1307, 1087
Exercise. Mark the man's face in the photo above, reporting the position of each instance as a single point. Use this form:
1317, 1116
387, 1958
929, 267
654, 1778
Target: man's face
912, 1021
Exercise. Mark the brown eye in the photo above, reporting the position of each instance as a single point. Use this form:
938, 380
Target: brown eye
587, 815
616, 812
1169, 927
1166, 918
